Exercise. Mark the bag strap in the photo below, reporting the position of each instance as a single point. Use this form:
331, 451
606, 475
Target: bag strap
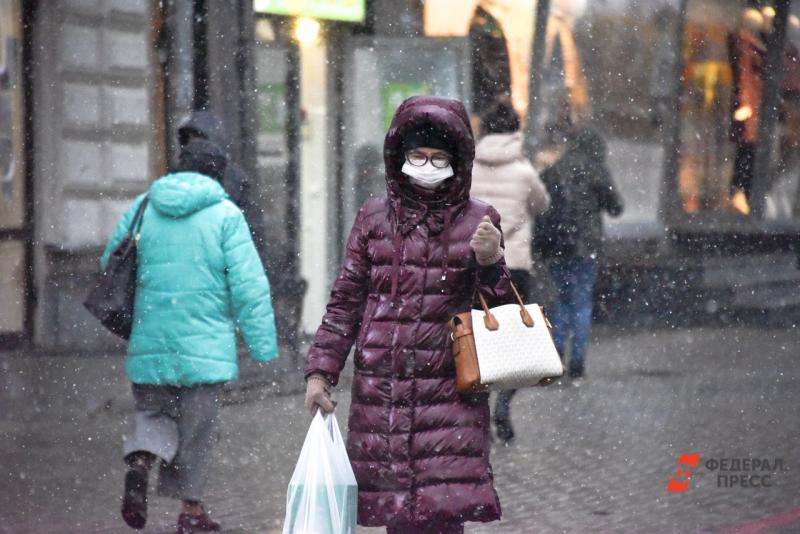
491, 321
136, 225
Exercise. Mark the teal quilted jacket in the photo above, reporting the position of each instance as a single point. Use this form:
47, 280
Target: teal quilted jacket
199, 279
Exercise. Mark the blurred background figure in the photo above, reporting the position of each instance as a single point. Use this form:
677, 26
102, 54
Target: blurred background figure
504, 178
205, 125
569, 235
369, 180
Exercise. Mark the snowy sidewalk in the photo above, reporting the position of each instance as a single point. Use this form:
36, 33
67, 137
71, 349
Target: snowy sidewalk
591, 458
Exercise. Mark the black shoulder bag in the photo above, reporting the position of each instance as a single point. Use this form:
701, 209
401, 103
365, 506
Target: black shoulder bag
112, 295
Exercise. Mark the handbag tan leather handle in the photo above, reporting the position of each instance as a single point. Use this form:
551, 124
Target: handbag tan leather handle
491, 321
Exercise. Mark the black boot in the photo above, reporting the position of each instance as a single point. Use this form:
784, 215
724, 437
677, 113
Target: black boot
134, 500
576, 371
504, 430
502, 416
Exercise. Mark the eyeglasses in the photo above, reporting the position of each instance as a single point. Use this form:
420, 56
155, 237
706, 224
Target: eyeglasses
440, 160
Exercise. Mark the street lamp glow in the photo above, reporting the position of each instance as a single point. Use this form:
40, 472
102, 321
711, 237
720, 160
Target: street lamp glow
306, 30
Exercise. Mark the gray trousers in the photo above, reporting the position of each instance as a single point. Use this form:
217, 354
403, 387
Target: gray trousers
180, 425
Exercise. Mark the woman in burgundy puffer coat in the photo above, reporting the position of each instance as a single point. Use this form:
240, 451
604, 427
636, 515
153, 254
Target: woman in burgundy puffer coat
420, 451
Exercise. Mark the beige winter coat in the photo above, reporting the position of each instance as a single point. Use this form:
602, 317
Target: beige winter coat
503, 177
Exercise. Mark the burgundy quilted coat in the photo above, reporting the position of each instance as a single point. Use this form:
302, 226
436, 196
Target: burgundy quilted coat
420, 451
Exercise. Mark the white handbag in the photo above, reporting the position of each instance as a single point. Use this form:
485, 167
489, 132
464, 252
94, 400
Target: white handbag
505, 347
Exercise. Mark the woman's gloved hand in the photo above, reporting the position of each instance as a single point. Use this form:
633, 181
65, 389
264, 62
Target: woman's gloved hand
318, 393
485, 243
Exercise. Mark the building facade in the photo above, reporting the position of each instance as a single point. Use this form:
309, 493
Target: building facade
91, 92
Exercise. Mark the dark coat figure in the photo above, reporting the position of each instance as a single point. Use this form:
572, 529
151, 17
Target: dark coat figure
581, 189
582, 176
206, 125
419, 450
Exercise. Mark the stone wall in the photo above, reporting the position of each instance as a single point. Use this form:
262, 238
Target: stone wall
96, 145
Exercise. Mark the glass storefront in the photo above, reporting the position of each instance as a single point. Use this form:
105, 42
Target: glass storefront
13, 222
721, 98
12, 177
380, 73
614, 65
500, 32
271, 70
621, 87
609, 65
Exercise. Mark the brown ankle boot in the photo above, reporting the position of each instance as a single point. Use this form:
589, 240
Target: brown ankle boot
188, 523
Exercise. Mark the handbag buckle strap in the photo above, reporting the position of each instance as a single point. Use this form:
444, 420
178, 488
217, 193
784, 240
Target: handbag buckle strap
455, 336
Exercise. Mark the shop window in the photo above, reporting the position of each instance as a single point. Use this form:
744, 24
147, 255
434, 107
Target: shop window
272, 59
716, 44
13, 223
12, 193
783, 195
721, 95
491, 76
500, 41
610, 66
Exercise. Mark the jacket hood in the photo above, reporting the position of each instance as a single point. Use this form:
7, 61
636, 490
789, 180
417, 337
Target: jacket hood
446, 114
410, 205
184, 193
206, 124
499, 149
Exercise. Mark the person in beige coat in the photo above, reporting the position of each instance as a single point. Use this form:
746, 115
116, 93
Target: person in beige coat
504, 178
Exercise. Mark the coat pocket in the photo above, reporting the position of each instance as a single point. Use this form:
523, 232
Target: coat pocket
366, 320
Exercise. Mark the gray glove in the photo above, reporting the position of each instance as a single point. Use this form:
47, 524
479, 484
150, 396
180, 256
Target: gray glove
318, 393
485, 243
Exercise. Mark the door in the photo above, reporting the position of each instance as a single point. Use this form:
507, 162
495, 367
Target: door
14, 212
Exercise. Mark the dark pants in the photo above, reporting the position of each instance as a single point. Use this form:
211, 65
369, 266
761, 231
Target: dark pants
572, 315
743, 169
502, 409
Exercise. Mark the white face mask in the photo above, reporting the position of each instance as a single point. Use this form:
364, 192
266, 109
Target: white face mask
427, 175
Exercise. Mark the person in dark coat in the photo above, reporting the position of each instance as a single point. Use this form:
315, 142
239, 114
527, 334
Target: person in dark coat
205, 125
582, 178
414, 259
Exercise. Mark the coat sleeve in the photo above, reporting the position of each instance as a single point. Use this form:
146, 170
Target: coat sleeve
249, 289
538, 197
607, 195
122, 228
342, 319
494, 281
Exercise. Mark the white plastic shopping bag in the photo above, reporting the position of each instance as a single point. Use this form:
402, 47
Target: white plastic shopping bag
323, 494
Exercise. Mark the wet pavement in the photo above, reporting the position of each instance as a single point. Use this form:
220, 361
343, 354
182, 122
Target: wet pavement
590, 458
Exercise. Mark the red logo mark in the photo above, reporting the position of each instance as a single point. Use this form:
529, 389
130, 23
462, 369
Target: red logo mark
680, 482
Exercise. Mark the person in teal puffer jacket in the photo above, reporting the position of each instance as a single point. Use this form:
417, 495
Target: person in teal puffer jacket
199, 280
